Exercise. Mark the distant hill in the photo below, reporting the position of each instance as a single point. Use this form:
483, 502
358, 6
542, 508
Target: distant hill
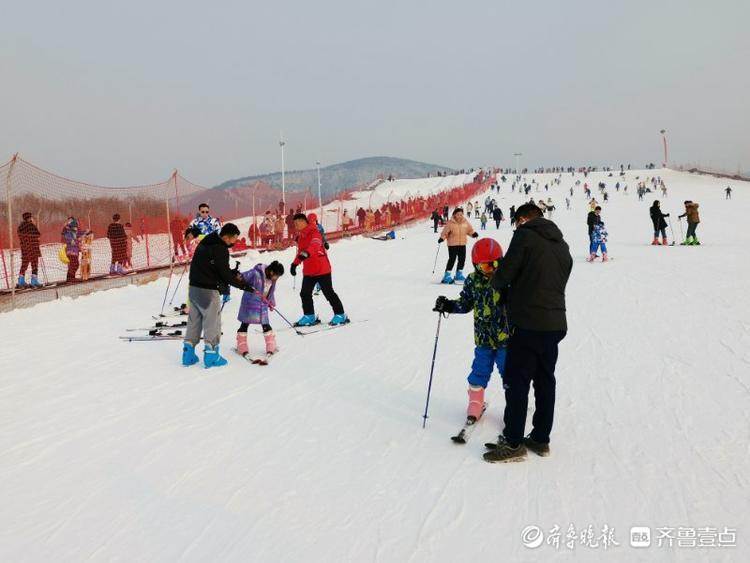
338, 177
234, 197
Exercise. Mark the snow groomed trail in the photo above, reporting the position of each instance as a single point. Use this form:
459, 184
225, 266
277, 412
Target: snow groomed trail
111, 451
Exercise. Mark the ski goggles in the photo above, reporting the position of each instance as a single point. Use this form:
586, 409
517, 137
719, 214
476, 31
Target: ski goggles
486, 267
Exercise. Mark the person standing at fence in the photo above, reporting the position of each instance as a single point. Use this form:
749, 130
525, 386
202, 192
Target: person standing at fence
278, 228
456, 232
316, 270
28, 236
71, 237
176, 228
129, 245
118, 241
203, 220
289, 220
210, 278
86, 256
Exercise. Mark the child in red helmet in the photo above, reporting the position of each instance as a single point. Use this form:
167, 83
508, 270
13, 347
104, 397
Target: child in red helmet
490, 323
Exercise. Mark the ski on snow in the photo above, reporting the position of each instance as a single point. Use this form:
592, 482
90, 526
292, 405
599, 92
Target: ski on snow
159, 326
468, 429
320, 327
176, 335
263, 360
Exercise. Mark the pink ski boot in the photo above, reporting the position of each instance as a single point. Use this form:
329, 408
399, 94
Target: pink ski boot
476, 402
591, 258
604, 257
270, 338
242, 343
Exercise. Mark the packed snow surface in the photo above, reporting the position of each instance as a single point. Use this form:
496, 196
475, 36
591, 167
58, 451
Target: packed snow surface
111, 451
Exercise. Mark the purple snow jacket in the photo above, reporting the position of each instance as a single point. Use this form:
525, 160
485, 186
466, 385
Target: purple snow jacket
252, 309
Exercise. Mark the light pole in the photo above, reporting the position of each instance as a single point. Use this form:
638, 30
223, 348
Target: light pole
664, 141
518, 156
320, 201
283, 182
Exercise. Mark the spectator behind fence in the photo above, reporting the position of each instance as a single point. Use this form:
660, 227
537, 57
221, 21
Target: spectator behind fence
203, 220
86, 256
290, 224
118, 241
177, 227
71, 237
28, 235
129, 245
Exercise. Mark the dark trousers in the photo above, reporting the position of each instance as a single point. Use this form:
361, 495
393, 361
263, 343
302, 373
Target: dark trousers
453, 253
72, 267
25, 261
435, 225
245, 326
532, 356
497, 223
691, 229
326, 286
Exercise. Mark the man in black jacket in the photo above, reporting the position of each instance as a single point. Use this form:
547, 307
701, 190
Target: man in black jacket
535, 270
210, 278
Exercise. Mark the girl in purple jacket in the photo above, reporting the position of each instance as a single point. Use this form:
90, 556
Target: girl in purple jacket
256, 304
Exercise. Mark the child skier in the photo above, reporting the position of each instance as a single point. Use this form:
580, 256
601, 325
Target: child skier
490, 323
483, 221
256, 304
598, 240
456, 231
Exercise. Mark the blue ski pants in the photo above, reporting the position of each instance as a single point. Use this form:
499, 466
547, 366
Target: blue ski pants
484, 361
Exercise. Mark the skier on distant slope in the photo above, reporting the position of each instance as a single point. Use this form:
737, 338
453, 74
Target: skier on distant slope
598, 238
490, 324
693, 218
456, 231
660, 225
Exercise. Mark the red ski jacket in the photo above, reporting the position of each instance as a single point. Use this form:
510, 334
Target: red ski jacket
310, 244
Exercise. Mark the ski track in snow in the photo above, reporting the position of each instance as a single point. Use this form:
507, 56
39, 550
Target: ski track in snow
111, 451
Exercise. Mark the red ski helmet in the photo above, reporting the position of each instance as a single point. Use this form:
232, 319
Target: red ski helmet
486, 250
312, 218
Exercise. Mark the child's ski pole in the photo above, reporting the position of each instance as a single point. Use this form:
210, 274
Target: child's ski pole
432, 370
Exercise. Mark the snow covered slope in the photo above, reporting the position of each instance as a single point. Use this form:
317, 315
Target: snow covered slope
112, 451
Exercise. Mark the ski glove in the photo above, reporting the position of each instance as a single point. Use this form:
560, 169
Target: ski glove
326, 245
474, 235
440, 240
293, 269
304, 255
443, 305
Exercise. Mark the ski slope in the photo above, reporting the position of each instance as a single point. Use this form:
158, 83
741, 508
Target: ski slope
111, 451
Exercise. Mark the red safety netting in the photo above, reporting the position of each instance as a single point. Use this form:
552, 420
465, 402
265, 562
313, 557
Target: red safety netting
55, 231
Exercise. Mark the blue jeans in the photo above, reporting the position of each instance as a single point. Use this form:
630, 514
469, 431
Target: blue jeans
484, 360
596, 245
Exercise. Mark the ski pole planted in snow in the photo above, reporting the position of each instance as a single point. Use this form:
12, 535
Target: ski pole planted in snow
166, 292
682, 236
671, 230
434, 266
178, 283
432, 370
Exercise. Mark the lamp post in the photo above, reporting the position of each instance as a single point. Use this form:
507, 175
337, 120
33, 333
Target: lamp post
664, 142
320, 201
518, 156
283, 181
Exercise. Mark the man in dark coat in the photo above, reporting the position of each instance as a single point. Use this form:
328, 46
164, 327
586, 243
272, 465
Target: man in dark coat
210, 278
660, 225
534, 271
118, 241
28, 236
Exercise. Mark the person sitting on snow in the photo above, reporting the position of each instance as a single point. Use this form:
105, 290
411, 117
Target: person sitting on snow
491, 330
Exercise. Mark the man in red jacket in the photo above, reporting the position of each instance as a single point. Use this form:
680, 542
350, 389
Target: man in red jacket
316, 269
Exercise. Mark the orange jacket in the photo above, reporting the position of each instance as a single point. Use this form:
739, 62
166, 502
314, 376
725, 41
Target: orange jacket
456, 232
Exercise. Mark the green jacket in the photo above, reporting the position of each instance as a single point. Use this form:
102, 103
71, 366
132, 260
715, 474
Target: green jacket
490, 323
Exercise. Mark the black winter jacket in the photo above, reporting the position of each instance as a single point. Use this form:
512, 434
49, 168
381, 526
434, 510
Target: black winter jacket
210, 266
536, 269
591, 220
657, 217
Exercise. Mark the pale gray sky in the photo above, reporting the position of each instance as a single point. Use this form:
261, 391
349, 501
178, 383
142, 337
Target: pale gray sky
122, 92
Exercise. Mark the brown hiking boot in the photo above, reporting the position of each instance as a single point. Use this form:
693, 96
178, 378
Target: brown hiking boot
539, 448
504, 453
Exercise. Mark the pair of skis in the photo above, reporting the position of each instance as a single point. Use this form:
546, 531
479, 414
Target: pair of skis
259, 360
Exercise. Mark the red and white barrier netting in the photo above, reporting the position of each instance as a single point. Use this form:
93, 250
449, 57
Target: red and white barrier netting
55, 231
